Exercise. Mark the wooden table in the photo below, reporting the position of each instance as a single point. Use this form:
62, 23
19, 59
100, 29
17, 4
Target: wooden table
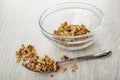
19, 25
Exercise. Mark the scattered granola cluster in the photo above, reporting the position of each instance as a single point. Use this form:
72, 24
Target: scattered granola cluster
51, 75
62, 68
73, 67
28, 53
64, 57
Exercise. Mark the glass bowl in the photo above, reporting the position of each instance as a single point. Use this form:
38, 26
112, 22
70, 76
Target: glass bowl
74, 13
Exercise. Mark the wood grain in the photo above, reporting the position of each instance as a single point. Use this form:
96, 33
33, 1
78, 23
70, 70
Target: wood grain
19, 24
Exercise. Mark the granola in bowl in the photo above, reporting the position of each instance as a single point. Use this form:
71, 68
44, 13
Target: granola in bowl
66, 29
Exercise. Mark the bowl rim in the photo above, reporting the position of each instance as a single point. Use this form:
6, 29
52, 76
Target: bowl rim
92, 32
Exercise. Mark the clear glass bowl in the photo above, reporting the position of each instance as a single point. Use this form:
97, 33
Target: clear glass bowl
73, 13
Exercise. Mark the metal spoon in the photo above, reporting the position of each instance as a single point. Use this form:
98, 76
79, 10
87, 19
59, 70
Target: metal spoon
87, 57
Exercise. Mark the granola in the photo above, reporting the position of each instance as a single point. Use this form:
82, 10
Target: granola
66, 29
34, 62
40, 64
73, 67
64, 57
62, 68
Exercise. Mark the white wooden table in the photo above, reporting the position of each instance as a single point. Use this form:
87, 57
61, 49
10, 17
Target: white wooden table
19, 24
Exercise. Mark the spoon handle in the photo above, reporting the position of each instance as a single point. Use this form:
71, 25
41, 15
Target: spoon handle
88, 57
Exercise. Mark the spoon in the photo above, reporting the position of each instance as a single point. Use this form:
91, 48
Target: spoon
82, 58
